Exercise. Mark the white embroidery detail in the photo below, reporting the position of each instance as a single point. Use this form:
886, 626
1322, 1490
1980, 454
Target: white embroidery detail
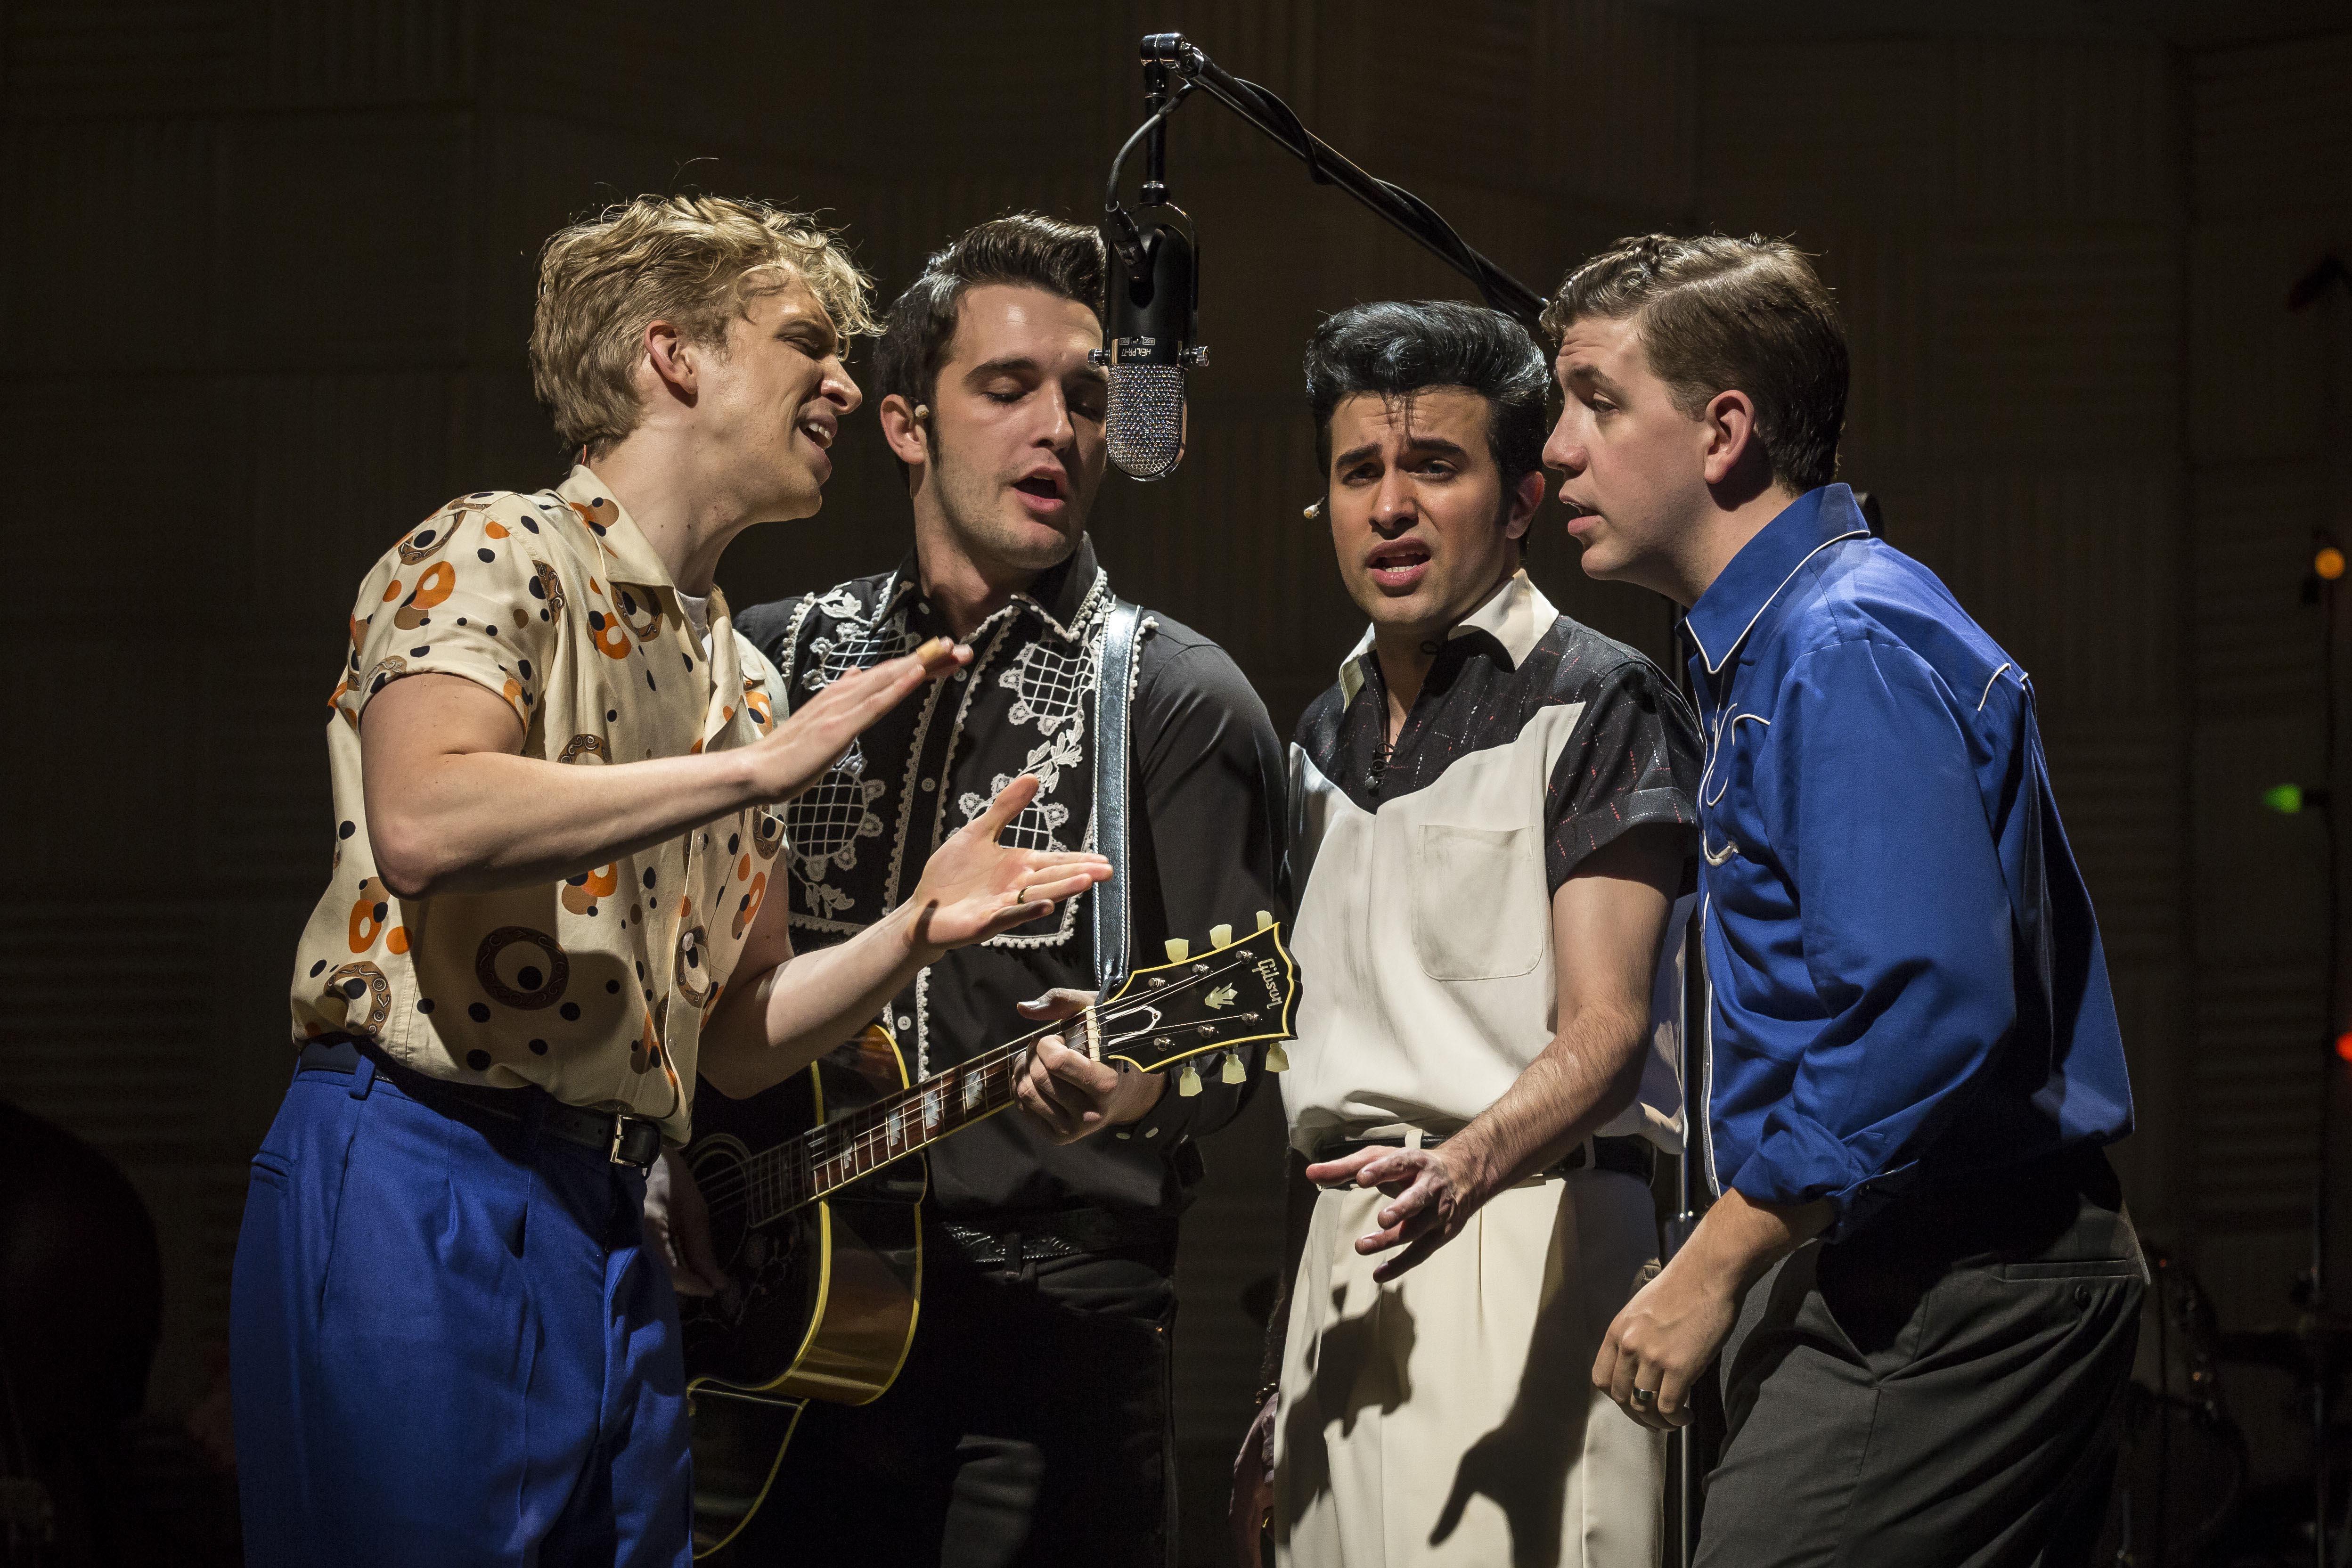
824, 825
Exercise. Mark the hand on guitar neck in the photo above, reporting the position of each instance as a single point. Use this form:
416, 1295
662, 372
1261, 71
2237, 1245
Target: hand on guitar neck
1072, 1094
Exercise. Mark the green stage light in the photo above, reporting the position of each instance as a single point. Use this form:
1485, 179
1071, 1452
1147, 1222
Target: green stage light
2284, 799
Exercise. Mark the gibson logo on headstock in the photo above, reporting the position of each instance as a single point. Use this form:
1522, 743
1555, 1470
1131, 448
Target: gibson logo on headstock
1222, 996
1271, 975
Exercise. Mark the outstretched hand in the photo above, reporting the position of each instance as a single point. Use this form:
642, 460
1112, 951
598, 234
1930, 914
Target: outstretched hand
797, 752
975, 886
1435, 1198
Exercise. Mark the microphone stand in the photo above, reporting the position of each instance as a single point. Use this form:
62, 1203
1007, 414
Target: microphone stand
1166, 53
1163, 53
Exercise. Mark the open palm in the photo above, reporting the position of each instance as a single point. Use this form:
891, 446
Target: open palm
975, 886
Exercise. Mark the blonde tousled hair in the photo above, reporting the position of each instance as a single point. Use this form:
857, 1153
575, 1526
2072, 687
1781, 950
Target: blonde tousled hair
690, 260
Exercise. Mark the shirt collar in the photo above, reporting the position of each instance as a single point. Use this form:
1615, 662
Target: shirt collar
1517, 615
1738, 597
627, 557
1061, 596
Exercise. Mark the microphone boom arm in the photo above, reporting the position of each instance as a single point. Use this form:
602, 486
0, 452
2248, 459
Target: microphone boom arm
1404, 211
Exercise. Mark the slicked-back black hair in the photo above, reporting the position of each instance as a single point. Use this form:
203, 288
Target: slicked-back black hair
1065, 258
1400, 346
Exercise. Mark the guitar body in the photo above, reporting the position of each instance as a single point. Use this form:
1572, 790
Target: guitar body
819, 1303
815, 1200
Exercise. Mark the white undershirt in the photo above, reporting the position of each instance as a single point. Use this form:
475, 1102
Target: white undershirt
698, 616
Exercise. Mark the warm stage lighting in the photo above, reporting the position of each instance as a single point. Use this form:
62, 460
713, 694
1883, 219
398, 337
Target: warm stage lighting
2328, 562
2344, 1045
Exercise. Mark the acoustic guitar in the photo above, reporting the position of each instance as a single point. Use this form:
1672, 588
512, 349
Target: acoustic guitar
815, 1191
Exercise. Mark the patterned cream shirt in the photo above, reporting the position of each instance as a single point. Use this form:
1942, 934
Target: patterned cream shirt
593, 989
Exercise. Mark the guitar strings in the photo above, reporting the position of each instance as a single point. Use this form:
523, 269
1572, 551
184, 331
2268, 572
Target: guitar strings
723, 1195
770, 1163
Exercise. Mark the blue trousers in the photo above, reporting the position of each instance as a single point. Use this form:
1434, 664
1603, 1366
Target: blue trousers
449, 1345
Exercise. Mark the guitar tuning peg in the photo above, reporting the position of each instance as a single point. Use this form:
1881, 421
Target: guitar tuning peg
1264, 918
1221, 936
1188, 1082
1277, 1058
1179, 949
1233, 1072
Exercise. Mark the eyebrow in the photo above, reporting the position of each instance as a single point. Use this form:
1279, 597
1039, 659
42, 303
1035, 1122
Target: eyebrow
1437, 445
1592, 377
1016, 364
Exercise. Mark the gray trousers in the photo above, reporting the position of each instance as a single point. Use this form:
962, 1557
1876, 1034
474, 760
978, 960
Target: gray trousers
1943, 1390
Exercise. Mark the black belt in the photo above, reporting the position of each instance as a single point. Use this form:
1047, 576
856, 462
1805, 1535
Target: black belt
632, 1141
1009, 1240
1634, 1157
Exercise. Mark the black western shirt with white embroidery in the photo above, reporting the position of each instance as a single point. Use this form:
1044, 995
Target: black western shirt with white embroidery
1205, 788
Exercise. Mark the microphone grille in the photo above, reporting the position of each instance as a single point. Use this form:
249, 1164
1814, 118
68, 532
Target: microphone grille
1144, 423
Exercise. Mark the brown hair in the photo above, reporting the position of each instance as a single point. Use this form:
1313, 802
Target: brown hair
687, 259
1065, 258
1718, 314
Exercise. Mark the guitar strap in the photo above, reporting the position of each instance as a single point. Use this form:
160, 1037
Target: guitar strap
1115, 648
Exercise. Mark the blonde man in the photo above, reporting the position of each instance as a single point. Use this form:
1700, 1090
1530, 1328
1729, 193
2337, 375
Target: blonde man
553, 762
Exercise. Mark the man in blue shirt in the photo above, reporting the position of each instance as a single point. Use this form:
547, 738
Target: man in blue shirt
1918, 1268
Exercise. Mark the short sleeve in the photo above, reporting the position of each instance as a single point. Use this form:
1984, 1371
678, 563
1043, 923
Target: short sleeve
764, 688
1633, 760
464, 594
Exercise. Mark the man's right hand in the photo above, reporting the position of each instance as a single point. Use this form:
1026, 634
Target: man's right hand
1253, 1498
804, 745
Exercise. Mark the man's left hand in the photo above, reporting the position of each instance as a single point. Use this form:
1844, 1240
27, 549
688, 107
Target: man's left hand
1435, 1197
1073, 1095
1662, 1342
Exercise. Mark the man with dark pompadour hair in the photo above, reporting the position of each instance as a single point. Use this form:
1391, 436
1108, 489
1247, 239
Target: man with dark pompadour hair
1918, 1268
1491, 844
1031, 1421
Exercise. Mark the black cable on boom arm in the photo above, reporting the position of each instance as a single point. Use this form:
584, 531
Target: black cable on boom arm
1402, 209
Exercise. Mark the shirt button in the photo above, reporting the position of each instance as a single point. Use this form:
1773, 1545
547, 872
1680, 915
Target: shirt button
961, 673
904, 1022
930, 785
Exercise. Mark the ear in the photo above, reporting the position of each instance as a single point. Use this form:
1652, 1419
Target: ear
909, 436
1524, 500
673, 360
1729, 421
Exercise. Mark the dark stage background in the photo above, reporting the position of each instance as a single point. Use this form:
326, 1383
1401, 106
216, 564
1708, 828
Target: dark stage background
268, 272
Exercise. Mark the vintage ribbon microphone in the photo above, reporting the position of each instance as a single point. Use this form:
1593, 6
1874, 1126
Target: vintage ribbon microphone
1154, 296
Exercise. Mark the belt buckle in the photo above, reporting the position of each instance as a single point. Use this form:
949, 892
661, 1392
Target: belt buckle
612, 1154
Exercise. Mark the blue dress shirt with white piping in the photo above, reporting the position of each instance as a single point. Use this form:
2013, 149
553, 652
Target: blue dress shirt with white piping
1908, 985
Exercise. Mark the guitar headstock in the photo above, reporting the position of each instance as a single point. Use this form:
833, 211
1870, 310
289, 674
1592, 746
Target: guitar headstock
1217, 1000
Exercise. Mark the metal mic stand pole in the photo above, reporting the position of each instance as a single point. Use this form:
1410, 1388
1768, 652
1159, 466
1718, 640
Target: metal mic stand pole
1683, 1471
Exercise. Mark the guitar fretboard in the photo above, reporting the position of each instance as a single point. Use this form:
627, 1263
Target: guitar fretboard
825, 1159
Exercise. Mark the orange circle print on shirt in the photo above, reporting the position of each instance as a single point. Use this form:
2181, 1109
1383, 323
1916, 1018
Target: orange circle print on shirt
581, 892
432, 588
611, 640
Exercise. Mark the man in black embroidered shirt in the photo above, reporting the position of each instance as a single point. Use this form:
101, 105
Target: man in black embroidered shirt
1492, 836
1031, 1424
